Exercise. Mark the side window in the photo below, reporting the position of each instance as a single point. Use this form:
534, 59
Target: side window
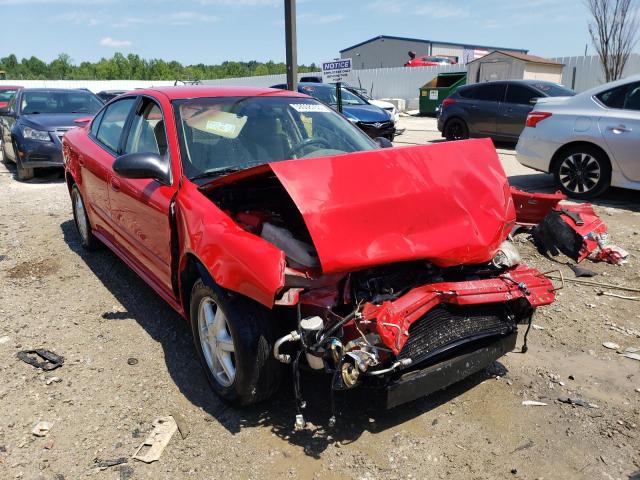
467, 92
112, 124
520, 95
96, 123
616, 97
147, 133
490, 92
632, 102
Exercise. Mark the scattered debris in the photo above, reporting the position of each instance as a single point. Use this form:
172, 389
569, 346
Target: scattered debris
42, 429
51, 360
579, 271
632, 356
126, 472
525, 446
4, 339
181, 422
593, 283
49, 444
611, 254
537, 327
151, 449
611, 345
132, 361
615, 295
51, 380
576, 401
104, 464
533, 403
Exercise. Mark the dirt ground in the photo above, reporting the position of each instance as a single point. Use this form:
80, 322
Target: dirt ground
98, 314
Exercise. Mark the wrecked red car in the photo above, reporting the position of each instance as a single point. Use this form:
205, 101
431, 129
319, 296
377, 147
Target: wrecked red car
284, 235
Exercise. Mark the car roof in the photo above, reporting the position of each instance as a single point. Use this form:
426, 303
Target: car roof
46, 90
10, 87
203, 91
521, 82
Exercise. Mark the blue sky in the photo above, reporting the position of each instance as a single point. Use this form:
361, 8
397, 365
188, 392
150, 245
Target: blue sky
211, 31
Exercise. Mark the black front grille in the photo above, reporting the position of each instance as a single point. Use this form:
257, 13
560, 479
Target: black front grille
447, 326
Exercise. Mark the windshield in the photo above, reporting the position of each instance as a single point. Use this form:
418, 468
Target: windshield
218, 135
328, 95
553, 89
59, 102
5, 95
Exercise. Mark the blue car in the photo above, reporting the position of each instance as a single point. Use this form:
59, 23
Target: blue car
372, 120
34, 122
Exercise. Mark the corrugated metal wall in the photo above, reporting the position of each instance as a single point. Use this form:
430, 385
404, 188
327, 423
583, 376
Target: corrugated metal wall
588, 71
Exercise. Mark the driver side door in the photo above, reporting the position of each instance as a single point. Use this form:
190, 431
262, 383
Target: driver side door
140, 208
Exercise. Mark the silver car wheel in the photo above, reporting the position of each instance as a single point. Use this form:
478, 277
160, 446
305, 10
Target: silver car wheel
580, 173
81, 218
216, 342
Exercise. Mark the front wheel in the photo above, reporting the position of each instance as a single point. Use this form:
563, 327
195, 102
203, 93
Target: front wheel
583, 172
234, 339
83, 226
456, 129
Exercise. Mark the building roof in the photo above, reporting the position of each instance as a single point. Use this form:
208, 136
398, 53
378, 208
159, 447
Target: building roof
464, 45
523, 57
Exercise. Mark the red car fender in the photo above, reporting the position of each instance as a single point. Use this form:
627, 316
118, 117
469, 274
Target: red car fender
236, 259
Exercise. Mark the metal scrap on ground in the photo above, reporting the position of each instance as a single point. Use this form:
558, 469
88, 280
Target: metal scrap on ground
151, 449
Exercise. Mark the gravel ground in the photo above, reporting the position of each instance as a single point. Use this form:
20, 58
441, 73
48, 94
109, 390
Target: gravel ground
98, 314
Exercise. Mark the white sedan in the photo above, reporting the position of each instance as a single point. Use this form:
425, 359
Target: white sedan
589, 142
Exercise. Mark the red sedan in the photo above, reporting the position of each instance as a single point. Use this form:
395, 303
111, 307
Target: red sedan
284, 235
6, 92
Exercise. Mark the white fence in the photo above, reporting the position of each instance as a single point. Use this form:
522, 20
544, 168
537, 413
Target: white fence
580, 72
588, 71
93, 85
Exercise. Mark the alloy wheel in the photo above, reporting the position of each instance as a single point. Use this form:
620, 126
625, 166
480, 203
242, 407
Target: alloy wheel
216, 342
81, 218
580, 172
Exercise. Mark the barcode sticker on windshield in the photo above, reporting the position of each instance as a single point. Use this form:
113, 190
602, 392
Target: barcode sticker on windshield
221, 127
309, 107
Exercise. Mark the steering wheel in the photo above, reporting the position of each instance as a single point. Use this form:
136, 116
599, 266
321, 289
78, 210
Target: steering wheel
305, 143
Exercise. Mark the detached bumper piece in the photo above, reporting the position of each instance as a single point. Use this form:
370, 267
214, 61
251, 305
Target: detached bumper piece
419, 383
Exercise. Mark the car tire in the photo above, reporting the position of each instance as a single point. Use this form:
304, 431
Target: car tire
81, 219
456, 129
582, 172
234, 339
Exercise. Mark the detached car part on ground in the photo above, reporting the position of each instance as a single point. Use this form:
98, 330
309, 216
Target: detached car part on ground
34, 122
384, 268
588, 142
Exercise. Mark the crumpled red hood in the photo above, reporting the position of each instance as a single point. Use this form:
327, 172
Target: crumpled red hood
448, 203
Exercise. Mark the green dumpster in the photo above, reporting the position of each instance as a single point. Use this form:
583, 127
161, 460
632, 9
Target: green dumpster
439, 88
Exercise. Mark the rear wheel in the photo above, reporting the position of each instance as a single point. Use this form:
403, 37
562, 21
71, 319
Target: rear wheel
583, 172
456, 129
234, 340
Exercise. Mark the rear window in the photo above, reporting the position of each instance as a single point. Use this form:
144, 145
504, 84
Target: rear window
553, 89
53, 101
618, 97
466, 92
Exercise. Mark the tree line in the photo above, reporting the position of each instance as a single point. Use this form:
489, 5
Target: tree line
132, 67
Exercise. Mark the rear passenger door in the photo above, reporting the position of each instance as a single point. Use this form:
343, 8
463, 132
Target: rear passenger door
512, 113
483, 112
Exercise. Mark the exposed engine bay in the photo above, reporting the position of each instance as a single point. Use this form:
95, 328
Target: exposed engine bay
376, 325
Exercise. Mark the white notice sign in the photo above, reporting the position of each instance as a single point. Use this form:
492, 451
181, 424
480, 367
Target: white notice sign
335, 71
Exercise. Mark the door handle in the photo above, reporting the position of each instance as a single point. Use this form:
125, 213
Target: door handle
115, 184
619, 129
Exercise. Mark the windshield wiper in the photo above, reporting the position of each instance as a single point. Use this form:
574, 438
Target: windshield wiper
220, 172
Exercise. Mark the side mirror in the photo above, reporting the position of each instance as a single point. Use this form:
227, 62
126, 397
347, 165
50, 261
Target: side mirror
383, 142
143, 165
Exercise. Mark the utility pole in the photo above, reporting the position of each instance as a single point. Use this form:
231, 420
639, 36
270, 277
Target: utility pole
290, 40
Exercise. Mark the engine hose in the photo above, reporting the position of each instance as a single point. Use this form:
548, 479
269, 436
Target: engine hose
300, 403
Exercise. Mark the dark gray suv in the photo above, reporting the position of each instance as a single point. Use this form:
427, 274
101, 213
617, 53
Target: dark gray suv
493, 109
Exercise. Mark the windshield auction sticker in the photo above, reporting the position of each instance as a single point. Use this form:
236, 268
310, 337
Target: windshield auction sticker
309, 107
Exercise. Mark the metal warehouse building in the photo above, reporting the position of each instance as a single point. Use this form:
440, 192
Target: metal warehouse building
385, 51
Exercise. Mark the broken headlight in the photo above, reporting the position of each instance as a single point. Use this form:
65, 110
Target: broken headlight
507, 256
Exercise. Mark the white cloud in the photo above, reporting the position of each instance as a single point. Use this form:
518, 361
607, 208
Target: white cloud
320, 19
77, 18
243, 3
175, 18
113, 43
